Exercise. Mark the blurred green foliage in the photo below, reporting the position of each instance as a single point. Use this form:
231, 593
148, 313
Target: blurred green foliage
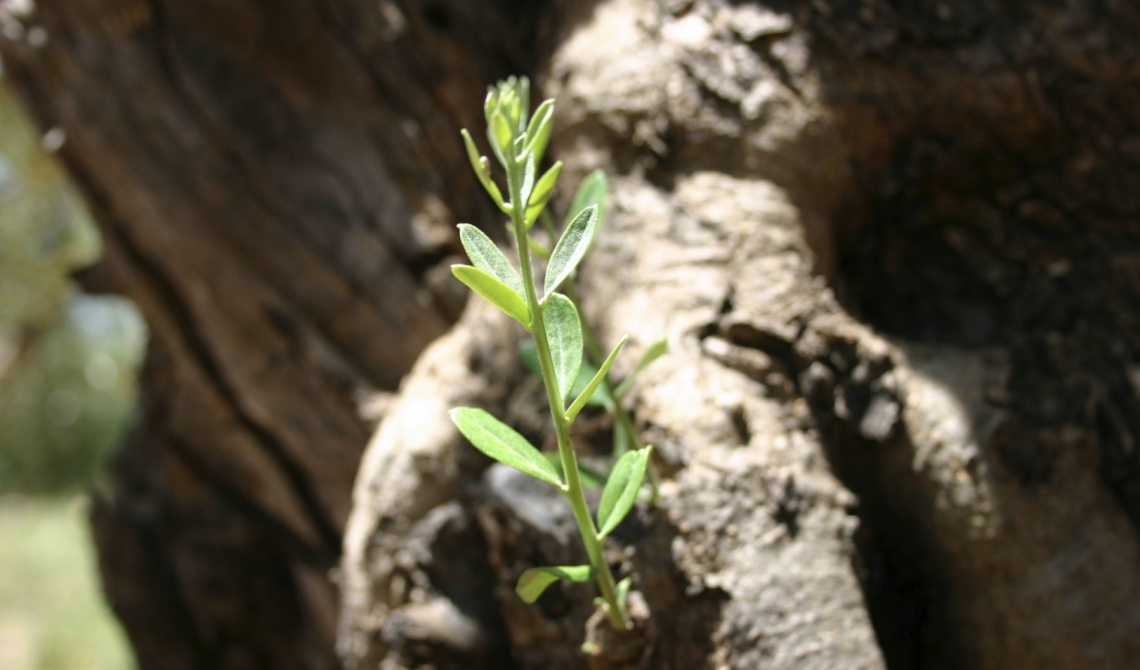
67, 360
51, 614
64, 409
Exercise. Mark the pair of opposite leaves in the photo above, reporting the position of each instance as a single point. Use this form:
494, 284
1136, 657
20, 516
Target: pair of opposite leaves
495, 279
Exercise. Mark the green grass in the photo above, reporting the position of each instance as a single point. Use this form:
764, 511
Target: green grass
52, 615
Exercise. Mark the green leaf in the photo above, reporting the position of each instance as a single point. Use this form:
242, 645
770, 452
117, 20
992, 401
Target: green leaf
623, 593
489, 103
600, 397
539, 130
482, 168
621, 490
515, 113
586, 374
655, 350
592, 191
536, 580
499, 136
472, 153
570, 250
544, 112
599, 377
541, 194
496, 292
501, 129
590, 478
528, 180
493, 188
486, 256
564, 334
502, 443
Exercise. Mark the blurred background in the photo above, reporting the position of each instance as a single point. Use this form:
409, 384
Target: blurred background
68, 363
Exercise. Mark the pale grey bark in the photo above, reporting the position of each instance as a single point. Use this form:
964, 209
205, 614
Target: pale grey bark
835, 495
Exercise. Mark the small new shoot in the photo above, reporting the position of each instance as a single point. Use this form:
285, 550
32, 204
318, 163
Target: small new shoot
518, 141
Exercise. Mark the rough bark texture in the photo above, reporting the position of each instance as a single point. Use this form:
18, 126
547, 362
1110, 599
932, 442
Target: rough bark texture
895, 249
766, 159
276, 184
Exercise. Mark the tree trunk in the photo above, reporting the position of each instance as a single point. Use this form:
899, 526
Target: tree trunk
276, 186
895, 250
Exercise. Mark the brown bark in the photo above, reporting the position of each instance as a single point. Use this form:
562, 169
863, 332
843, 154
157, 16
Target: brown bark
895, 251
275, 184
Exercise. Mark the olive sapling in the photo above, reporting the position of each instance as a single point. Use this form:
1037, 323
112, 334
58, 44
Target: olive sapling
518, 141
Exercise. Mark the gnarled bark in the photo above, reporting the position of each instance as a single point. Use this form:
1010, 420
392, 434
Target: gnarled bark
894, 251
276, 185
765, 161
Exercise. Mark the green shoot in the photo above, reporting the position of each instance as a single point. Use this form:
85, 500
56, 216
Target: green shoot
518, 141
593, 191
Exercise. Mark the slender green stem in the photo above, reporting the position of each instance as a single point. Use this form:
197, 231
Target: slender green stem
596, 356
594, 351
574, 491
622, 418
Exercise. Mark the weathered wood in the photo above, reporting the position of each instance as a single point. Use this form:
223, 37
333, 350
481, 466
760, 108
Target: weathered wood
928, 169
275, 183
895, 249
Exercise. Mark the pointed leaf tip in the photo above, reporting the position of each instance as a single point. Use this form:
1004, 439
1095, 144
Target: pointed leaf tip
600, 376
541, 194
501, 132
482, 168
621, 489
571, 248
623, 600
486, 256
564, 333
655, 350
538, 132
592, 191
528, 180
